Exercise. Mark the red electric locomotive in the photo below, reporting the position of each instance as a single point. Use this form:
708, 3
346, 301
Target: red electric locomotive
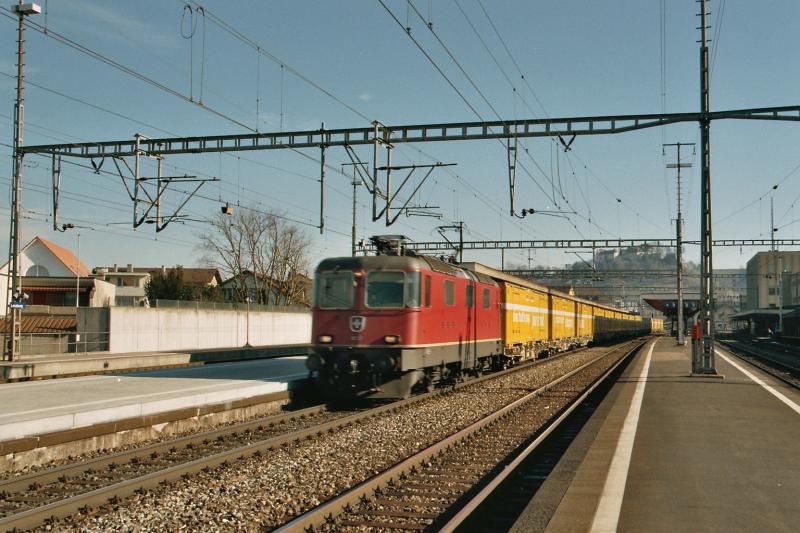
390, 323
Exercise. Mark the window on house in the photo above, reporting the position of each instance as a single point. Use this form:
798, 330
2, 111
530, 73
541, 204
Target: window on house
37, 271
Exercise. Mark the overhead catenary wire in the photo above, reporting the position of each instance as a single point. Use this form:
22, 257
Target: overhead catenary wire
450, 82
125, 69
544, 110
65, 40
228, 27
517, 94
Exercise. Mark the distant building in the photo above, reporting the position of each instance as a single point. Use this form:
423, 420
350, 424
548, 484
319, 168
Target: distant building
128, 282
53, 276
730, 294
262, 290
764, 282
131, 281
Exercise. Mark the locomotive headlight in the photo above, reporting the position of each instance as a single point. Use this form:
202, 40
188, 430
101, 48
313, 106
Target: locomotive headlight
325, 339
391, 339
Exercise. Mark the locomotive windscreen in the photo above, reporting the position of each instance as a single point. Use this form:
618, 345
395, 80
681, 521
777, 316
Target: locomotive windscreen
334, 290
392, 289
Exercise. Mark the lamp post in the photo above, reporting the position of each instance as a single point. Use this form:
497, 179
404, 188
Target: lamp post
78, 278
14, 275
247, 314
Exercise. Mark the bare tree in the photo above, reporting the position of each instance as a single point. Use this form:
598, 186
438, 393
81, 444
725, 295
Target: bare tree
265, 255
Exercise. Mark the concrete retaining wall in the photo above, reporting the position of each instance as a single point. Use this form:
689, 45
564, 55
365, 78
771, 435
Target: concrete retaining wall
139, 329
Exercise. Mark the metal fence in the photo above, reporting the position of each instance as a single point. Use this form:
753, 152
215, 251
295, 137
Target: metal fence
229, 306
67, 342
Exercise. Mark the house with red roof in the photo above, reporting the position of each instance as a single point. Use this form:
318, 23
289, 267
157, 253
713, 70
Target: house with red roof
53, 275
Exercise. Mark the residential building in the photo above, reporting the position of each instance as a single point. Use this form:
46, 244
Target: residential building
54, 276
131, 281
262, 290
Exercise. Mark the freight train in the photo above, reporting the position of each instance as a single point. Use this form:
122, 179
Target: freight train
386, 325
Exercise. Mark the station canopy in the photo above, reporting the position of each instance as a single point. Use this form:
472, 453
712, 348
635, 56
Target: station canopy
667, 303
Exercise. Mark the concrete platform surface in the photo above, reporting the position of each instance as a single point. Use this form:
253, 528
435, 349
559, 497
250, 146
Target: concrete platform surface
31, 408
56, 365
680, 453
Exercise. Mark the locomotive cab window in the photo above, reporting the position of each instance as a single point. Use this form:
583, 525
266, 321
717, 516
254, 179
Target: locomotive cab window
334, 290
412, 289
486, 298
449, 293
427, 291
470, 295
386, 289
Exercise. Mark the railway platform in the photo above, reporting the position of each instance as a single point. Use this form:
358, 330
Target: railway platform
60, 365
108, 403
666, 451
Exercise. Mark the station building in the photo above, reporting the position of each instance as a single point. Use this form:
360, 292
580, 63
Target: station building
764, 282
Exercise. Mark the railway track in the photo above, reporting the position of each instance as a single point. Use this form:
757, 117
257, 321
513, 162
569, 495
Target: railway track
780, 363
27, 500
440, 486
88, 494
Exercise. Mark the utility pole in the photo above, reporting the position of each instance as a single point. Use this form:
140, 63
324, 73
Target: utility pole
780, 294
14, 294
776, 261
705, 364
78, 278
355, 198
322, 181
678, 238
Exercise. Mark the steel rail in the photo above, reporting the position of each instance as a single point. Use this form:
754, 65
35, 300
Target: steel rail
474, 502
34, 517
42, 477
322, 514
774, 366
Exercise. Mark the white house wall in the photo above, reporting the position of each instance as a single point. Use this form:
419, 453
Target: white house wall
139, 329
35, 254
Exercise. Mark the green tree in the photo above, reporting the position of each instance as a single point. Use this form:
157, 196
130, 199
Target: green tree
170, 285
167, 285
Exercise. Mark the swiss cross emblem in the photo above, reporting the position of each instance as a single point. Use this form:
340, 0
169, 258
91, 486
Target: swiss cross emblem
357, 323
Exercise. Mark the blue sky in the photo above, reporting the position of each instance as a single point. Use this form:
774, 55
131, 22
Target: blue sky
578, 58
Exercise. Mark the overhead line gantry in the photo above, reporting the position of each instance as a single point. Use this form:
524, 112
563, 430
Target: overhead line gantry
440, 132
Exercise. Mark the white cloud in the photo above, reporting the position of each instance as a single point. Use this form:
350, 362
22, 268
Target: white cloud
365, 97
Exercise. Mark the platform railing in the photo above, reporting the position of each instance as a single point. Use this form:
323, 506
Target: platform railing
60, 342
230, 306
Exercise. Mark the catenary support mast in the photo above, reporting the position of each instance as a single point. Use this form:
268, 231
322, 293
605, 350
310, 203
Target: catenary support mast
14, 295
707, 325
679, 240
